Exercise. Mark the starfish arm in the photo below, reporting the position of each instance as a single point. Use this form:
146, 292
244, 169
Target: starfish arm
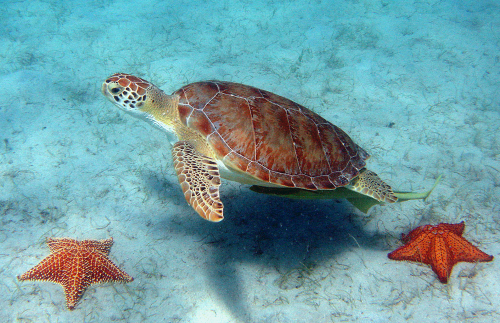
103, 270
415, 250
441, 259
49, 269
456, 228
76, 279
56, 244
413, 233
102, 246
463, 250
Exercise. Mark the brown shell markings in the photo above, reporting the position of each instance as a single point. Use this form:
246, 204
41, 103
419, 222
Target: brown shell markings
270, 137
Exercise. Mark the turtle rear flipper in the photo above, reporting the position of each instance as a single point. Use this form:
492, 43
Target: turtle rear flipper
200, 180
368, 183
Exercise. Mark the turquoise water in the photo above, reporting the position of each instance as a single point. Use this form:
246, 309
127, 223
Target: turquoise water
415, 84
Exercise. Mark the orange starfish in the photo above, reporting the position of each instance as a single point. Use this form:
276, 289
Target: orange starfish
441, 246
76, 265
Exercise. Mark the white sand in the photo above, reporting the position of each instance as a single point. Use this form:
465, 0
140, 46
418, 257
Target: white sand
415, 85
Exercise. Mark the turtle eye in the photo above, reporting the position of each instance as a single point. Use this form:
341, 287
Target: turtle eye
115, 89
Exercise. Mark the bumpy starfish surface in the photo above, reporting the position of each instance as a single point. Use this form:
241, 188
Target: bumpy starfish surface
76, 265
441, 246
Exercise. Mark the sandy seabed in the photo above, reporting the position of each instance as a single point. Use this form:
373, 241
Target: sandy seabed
415, 84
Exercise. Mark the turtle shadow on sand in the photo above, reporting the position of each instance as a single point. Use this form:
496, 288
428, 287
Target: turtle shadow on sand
268, 233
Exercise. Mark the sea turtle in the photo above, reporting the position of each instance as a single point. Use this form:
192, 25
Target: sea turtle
241, 133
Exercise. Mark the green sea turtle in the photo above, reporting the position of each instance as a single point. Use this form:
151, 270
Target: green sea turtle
241, 133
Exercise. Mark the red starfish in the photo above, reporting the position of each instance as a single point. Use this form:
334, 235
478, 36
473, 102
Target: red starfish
76, 265
441, 246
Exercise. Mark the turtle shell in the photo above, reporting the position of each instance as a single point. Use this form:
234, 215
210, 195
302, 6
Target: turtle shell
269, 137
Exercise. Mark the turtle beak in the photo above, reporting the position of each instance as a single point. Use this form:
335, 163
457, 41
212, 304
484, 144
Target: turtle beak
104, 90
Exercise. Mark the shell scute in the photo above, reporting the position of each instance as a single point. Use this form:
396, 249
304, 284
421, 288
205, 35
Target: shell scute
231, 117
258, 171
219, 146
304, 182
338, 179
281, 179
274, 145
323, 182
237, 161
308, 145
239, 90
336, 153
197, 96
199, 120
184, 112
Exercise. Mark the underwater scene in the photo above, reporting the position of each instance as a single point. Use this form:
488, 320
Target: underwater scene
250, 161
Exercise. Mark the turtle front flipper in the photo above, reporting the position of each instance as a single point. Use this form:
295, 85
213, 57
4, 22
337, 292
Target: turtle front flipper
200, 180
368, 183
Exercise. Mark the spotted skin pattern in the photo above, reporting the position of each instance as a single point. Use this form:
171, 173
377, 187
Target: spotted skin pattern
134, 89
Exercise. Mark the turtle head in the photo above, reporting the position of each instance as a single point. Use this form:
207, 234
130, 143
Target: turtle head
143, 100
127, 91
133, 94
